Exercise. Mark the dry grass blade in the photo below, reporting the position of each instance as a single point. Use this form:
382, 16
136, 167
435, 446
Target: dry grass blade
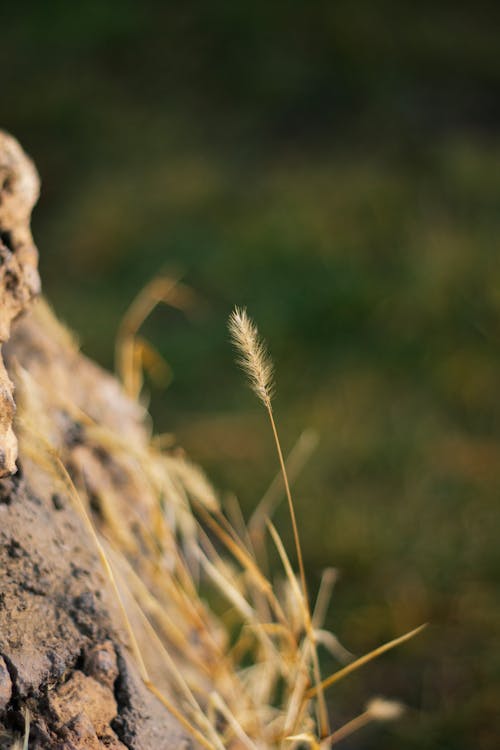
179, 680
199, 737
378, 709
54, 462
135, 646
336, 676
247, 678
27, 722
333, 645
128, 355
239, 552
288, 570
328, 580
258, 366
172, 632
238, 730
105, 562
346, 730
36, 447
295, 462
227, 588
20, 743
237, 521
296, 703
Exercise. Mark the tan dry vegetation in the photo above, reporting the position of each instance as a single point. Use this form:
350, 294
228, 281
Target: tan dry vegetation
244, 676
243, 673
257, 689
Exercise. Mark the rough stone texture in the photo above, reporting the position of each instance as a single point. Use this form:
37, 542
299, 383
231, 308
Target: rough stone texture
60, 632
19, 280
63, 648
5, 685
82, 697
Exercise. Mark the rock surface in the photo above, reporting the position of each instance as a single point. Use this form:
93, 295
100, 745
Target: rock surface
64, 656
19, 280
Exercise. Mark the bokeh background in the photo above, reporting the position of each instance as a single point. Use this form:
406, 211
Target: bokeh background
335, 167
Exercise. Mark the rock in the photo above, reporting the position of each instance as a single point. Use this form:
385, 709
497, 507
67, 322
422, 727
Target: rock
5, 686
83, 700
19, 280
100, 663
64, 650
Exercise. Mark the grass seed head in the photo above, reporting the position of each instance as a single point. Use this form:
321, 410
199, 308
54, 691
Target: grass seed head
253, 356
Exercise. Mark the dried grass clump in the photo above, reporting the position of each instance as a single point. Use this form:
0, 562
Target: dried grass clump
242, 675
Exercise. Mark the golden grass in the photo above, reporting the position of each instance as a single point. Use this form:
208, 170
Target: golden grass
246, 670
257, 364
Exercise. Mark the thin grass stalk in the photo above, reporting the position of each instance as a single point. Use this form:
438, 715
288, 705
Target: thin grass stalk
103, 557
377, 709
238, 730
322, 710
66, 478
294, 462
328, 580
199, 737
245, 560
179, 679
27, 722
296, 702
298, 546
151, 607
347, 729
341, 673
256, 363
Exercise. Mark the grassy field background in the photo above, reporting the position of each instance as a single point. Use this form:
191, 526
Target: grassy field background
334, 167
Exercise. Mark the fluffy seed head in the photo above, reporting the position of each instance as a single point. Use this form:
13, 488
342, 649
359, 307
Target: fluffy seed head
253, 356
381, 709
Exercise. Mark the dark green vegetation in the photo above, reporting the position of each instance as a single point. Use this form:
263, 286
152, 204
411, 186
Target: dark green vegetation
335, 168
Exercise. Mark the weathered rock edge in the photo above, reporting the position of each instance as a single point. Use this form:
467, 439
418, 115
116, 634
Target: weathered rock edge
62, 648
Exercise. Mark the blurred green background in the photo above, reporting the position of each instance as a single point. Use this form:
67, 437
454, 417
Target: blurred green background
335, 167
